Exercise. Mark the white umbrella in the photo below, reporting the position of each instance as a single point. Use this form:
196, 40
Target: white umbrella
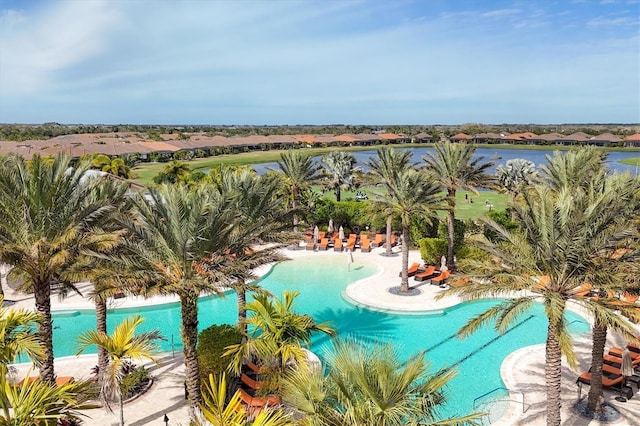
443, 263
316, 234
330, 227
626, 370
341, 233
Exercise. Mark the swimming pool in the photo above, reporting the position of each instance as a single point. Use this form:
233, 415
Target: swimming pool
321, 280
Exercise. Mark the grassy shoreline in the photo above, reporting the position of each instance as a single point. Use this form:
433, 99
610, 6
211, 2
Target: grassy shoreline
145, 172
635, 161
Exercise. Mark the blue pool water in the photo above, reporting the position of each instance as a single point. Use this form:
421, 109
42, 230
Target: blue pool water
321, 280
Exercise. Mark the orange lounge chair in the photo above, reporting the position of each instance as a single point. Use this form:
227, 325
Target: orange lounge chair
337, 244
351, 244
426, 274
365, 244
617, 352
252, 384
633, 347
324, 243
311, 245
411, 270
62, 380
259, 401
378, 240
440, 279
393, 241
255, 368
460, 283
583, 290
611, 377
321, 235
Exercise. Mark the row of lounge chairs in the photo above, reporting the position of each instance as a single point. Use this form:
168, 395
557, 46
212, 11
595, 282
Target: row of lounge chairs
427, 272
354, 241
611, 374
250, 391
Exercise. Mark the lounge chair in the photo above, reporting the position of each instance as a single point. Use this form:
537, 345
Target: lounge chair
633, 347
617, 352
324, 243
393, 241
251, 383
311, 245
426, 274
321, 235
411, 270
351, 243
378, 240
365, 244
612, 360
60, 381
256, 369
440, 279
259, 401
459, 283
583, 290
608, 380
337, 244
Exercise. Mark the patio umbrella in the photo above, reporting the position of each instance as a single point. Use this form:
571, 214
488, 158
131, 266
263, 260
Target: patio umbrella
626, 370
443, 263
341, 233
330, 227
316, 234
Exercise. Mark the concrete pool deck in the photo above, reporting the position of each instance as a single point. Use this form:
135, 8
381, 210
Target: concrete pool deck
522, 371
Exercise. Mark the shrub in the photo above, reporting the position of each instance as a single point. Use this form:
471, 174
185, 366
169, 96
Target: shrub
432, 249
421, 228
134, 381
458, 233
502, 217
471, 253
211, 344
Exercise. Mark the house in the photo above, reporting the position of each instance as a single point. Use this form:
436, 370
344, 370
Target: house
632, 141
461, 137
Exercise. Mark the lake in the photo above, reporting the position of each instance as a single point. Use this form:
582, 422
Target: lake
500, 156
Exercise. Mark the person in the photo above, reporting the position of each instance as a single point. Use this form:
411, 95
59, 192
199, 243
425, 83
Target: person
466, 196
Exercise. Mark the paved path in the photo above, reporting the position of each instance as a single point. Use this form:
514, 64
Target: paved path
522, 371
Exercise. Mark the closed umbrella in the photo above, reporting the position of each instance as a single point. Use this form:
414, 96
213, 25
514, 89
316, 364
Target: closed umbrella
316, 234
330, 227
341, 233
626, 370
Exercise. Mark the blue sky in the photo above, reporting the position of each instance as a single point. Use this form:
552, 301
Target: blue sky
319, 62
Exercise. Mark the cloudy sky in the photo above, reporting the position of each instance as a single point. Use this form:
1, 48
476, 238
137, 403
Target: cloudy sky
319, 62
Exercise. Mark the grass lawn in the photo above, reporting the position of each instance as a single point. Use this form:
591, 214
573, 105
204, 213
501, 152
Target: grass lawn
635, 161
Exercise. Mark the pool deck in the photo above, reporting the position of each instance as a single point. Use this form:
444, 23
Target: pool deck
522, 371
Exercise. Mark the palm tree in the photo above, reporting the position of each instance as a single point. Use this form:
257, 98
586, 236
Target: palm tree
17, 336
219, 410
384, 171
299, 172
115, 166
173, 231
366, 386
51, 217
453, 167
259, 220
38, 403
411, 194
122, 346
339, 171
278, 335
563, 235
175, 171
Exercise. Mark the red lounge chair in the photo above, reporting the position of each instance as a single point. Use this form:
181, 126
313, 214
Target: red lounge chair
440, 279
337, 244
412, 270
378, 240
426, 274
324, 243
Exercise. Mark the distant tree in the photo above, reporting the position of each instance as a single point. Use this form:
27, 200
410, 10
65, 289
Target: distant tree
339, 172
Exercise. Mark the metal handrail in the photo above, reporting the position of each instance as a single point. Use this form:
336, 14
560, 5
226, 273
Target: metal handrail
507, 398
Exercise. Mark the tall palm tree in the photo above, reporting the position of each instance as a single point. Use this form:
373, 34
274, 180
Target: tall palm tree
339, 171
259, 220
173, 231
17, 336
412, 194
115, 166
562, 237
51, 218
299, 172
454, 167
174, 172
366, 386
121, 346
384, 171
278, 334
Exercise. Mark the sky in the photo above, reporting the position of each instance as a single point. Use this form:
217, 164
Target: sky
319, 62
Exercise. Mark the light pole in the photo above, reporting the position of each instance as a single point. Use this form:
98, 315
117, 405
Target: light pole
166, 420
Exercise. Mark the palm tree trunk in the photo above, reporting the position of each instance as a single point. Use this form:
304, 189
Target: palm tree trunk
101, 326
337, 193
294, 205
552, 373
42, 294
451, 217
404, 285
596, 394
242, 309
189, 311
121, 408
388, 251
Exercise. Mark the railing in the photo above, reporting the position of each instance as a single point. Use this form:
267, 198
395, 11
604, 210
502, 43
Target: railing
507, 398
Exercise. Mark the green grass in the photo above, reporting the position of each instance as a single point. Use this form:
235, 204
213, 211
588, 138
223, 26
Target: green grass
635, 161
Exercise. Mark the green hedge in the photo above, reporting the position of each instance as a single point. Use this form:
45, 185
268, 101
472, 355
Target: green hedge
432, 249
211, 344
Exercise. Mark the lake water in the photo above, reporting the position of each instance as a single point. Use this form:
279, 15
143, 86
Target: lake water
499, 156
